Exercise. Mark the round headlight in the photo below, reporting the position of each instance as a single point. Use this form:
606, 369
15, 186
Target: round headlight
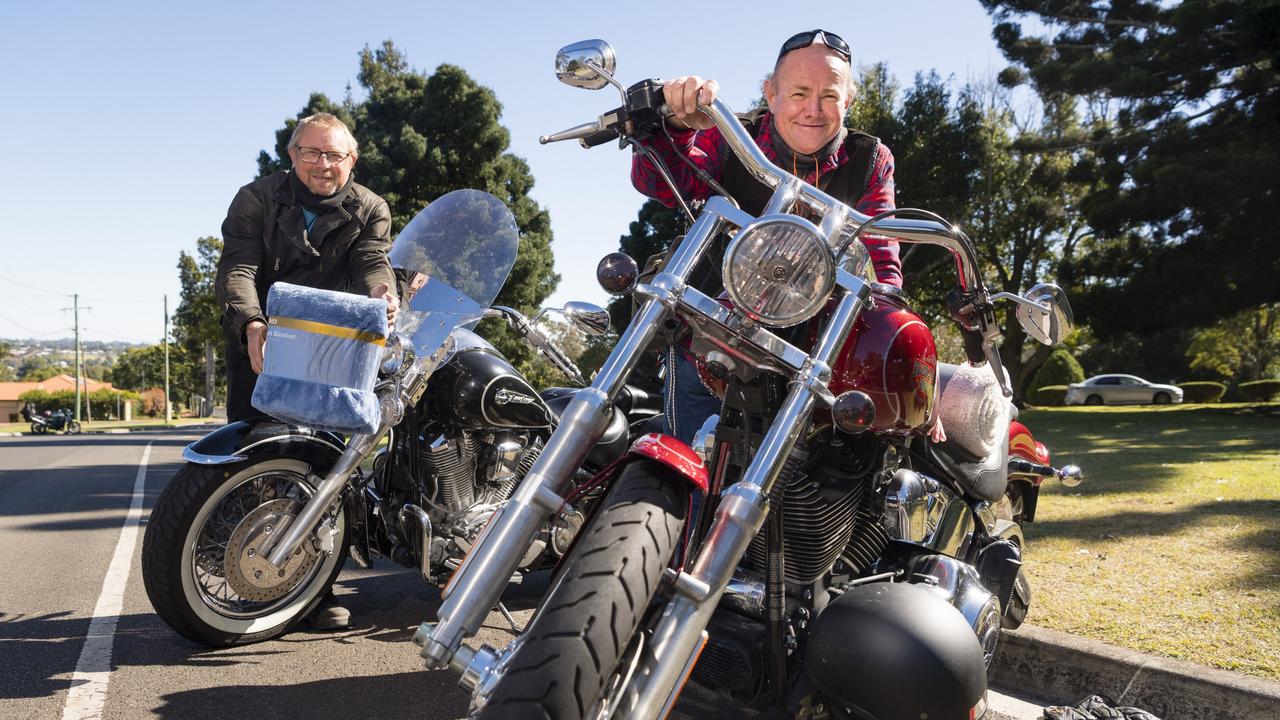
778, 270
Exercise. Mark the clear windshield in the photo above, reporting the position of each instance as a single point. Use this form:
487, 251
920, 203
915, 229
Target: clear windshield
455, 256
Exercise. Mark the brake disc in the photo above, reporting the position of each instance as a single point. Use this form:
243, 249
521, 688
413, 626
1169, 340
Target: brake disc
247, 570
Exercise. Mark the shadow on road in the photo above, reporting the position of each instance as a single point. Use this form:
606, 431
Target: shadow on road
398, 695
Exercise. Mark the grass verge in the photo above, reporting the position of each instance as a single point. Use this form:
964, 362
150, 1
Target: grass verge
1172, 544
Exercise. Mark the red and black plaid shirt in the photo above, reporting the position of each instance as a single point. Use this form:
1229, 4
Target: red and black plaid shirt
706, 149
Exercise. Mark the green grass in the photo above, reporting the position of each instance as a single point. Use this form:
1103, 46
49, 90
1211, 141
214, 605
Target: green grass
1172, 544
137, 424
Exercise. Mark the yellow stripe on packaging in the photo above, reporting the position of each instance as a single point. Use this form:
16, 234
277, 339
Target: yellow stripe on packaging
320, 328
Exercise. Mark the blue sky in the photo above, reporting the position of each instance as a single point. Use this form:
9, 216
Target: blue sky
129, 125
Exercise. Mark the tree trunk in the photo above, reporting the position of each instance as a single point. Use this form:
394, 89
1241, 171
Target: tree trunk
207, 409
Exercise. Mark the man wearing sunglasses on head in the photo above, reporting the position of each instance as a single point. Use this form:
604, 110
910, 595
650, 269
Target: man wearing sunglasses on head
802, 131
311, 225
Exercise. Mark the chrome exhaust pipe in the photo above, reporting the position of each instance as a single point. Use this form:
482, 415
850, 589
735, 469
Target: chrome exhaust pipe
424, 523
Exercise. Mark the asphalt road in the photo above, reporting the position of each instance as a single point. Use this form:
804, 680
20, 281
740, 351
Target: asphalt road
64, 501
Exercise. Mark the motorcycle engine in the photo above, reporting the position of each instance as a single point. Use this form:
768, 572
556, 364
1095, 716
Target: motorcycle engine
473, 474
477, 468
829, 513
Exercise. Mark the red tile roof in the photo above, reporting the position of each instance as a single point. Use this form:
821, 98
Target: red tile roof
57, 383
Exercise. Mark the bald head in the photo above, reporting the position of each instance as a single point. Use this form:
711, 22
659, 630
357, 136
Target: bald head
809, 94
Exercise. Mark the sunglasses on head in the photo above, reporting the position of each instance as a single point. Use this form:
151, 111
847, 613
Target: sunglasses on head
805, 39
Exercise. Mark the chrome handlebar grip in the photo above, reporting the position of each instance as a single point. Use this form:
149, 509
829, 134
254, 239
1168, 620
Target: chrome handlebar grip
574, 133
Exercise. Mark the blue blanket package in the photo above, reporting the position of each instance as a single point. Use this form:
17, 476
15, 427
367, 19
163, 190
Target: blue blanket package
322, 356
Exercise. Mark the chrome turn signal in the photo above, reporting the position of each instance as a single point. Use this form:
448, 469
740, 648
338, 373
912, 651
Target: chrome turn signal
853, 411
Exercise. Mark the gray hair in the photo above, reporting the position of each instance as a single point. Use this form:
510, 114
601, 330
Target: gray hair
326, 120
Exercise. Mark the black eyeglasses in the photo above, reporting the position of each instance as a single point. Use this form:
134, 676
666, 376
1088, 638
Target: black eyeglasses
312, 156
805, 39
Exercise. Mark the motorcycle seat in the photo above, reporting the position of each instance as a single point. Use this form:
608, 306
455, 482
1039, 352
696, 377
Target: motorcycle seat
975, 417
612, 444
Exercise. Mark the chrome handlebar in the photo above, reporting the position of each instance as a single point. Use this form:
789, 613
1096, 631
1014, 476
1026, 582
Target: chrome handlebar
537, 340
820, 203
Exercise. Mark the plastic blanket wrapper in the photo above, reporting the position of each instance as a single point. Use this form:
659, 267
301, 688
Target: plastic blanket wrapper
321, 359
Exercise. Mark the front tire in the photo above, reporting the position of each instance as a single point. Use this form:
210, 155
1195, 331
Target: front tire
1093, 400
587, 621
198, 552
73, 427
1162, 398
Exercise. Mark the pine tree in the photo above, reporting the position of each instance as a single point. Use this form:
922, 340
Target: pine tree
1189, 94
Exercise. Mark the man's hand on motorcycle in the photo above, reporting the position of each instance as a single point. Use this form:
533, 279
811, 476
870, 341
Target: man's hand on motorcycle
683, 94
393, 303
255, 336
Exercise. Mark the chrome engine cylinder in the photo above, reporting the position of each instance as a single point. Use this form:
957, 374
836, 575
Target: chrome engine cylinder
920, 510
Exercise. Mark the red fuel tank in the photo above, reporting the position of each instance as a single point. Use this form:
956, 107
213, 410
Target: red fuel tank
890, 356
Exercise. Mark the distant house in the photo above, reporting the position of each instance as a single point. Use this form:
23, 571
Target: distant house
11, 406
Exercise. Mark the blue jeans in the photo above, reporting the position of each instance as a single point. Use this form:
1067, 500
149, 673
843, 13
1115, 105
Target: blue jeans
686, 401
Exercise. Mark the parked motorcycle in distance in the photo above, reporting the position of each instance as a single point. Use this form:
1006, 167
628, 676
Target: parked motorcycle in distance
846, 561
252, 531
57, 421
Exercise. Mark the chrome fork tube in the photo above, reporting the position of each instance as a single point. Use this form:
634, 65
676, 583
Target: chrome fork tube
393, 401
478, 583
359, 446
740, 515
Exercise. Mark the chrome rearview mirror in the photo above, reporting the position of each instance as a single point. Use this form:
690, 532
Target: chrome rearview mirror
1043, 312
581, 63
587, 317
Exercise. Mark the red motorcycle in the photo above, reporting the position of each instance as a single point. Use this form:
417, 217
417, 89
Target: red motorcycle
857, 542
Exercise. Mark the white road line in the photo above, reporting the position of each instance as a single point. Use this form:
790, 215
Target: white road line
88, 693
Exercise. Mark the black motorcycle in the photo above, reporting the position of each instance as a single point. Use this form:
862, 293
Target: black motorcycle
58, 421
250, 534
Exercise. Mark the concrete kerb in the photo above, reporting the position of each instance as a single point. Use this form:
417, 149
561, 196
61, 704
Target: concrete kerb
1051, 664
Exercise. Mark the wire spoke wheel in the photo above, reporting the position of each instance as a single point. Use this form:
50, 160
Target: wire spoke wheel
204, 553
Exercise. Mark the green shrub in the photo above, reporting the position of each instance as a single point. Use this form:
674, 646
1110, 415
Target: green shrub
1049, 395
1260, 390
1060, 369
1202, 392
102, 402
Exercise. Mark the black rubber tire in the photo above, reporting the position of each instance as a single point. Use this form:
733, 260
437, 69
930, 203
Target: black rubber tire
1162, 398
587, 620
73, 427
167, 544
38, 429
1093, 400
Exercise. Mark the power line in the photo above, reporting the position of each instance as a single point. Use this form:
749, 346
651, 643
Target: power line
113, 335
27, 329
109, 301
43, 291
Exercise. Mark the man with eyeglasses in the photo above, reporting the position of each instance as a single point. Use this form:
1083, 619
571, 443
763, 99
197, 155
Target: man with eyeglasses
311, 225
802, 131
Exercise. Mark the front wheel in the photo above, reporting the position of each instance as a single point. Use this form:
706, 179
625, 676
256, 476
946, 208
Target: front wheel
200, 555
587, 621
37, 429
1093, 400
1162, 398
73, 427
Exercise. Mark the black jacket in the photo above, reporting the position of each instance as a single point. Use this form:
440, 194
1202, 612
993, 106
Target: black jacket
265, 240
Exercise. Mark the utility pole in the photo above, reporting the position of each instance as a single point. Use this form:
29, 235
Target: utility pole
168, 409
76, 306
75, 309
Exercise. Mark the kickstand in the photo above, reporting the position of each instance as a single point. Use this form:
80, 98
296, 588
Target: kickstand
507, 614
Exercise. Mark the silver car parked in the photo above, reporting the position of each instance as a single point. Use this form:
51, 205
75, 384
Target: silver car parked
1121, 390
